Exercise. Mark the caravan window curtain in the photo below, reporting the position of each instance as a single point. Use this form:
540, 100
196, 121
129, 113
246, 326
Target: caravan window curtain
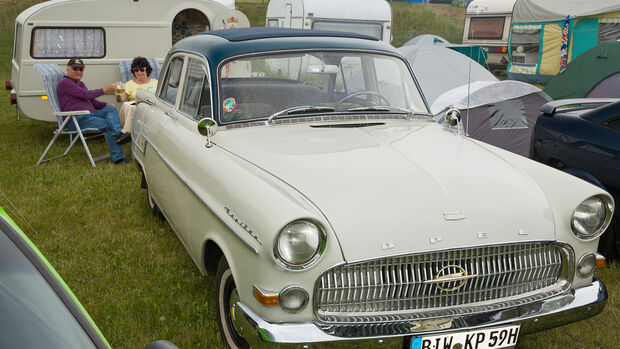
491, 28
68, 42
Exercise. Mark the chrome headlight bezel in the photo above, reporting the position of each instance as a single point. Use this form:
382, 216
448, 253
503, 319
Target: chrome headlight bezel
311, 259
578, 229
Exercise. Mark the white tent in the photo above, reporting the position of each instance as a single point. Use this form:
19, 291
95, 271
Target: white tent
528, 11
439, 69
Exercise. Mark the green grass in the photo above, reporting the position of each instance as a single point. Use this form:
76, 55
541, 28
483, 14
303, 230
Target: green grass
128, 268
411, 20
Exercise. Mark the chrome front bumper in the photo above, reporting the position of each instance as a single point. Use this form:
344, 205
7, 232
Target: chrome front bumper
585, 302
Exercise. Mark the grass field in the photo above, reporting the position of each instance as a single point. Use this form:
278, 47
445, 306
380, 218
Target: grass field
128, 268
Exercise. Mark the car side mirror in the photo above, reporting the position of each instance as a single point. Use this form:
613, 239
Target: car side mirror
453, 117
161, 344
207, 127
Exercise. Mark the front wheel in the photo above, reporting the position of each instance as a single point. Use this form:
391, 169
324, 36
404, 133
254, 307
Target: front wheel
226, 295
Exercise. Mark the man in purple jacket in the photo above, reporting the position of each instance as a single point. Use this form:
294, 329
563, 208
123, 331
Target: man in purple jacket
73, 95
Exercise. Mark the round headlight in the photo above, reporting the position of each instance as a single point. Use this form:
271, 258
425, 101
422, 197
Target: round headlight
299, 244
293, 299
591, 217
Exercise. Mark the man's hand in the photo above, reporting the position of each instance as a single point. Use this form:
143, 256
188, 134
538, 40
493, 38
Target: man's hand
109, 88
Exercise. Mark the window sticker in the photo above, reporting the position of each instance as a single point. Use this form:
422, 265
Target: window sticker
229, 104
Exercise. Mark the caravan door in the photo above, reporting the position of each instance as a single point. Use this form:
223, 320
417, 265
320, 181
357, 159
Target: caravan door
294, 14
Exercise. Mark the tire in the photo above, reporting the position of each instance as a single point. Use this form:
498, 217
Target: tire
225, 291
608, 245
152, 205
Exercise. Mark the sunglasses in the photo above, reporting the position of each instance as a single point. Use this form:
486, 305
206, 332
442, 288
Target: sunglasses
78, 68
139, 69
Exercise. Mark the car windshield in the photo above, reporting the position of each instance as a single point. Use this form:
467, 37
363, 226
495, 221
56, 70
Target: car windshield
31, 314
287, 84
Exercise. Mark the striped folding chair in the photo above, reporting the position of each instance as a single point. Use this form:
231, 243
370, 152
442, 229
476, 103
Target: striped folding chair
52, 74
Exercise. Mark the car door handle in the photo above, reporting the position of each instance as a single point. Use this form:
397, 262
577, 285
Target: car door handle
170, 114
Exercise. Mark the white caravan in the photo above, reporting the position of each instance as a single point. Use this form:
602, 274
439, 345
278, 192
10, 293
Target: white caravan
370, 17
487, 24
103, 33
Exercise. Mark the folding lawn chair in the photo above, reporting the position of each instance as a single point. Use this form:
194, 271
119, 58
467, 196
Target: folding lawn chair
127, 74
52, 74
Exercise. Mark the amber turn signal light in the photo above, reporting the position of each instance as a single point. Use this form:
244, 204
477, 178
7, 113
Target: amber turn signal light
600, 261
265, 298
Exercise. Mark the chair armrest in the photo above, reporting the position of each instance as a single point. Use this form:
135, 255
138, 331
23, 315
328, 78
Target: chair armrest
76, 112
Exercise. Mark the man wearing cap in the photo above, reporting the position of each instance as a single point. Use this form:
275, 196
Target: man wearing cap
73, 95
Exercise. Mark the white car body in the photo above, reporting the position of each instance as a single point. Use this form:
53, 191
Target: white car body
388, 186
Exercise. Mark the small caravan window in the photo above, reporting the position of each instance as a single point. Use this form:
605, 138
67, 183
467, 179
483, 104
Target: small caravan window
18, 39
525, 44
608, 30
486, 28
372, 29
67, 42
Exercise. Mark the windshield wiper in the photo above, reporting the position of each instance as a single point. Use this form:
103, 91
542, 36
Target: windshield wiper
409, 113
299, 110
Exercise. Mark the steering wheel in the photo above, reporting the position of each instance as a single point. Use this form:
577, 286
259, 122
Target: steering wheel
358, 93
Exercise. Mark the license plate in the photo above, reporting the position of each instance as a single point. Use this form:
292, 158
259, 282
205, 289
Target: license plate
491, 338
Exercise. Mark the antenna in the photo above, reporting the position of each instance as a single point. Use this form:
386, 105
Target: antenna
468, 90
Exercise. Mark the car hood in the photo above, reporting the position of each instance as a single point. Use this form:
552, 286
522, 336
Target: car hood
400, 186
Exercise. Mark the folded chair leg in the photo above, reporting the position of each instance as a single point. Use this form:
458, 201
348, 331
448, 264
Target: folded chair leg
56, 134
90, 157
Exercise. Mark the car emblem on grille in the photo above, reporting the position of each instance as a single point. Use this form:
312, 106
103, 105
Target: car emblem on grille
450, 278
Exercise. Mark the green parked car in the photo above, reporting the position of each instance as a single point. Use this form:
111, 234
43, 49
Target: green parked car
37, 308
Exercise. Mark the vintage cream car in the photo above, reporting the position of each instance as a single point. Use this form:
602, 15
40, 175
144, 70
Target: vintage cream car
303, 169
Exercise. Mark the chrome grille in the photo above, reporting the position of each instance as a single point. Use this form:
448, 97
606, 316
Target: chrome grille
388, 289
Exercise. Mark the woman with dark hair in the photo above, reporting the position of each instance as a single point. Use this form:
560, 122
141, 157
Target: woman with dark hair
141, 70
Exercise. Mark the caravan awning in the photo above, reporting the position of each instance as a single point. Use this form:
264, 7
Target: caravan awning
530, 11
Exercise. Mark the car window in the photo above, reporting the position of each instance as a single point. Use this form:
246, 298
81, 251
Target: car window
31, 313
259, 86
196, 101
170, 85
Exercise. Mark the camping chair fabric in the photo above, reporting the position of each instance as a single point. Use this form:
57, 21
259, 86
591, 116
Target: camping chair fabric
52, 74
126, 74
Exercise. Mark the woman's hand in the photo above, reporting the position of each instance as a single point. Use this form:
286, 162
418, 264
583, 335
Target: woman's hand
122, 97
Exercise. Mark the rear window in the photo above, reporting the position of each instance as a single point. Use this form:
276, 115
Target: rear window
59, 42
372, 29
486, 28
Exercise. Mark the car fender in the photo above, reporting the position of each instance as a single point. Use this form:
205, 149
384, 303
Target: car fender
585, 175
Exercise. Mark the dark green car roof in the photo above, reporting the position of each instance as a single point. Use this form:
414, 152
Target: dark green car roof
219, 44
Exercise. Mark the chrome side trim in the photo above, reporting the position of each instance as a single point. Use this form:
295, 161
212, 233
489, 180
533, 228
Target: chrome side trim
562, 309
194, 192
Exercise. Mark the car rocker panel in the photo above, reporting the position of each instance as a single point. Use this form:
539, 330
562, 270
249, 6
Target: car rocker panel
356, 218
